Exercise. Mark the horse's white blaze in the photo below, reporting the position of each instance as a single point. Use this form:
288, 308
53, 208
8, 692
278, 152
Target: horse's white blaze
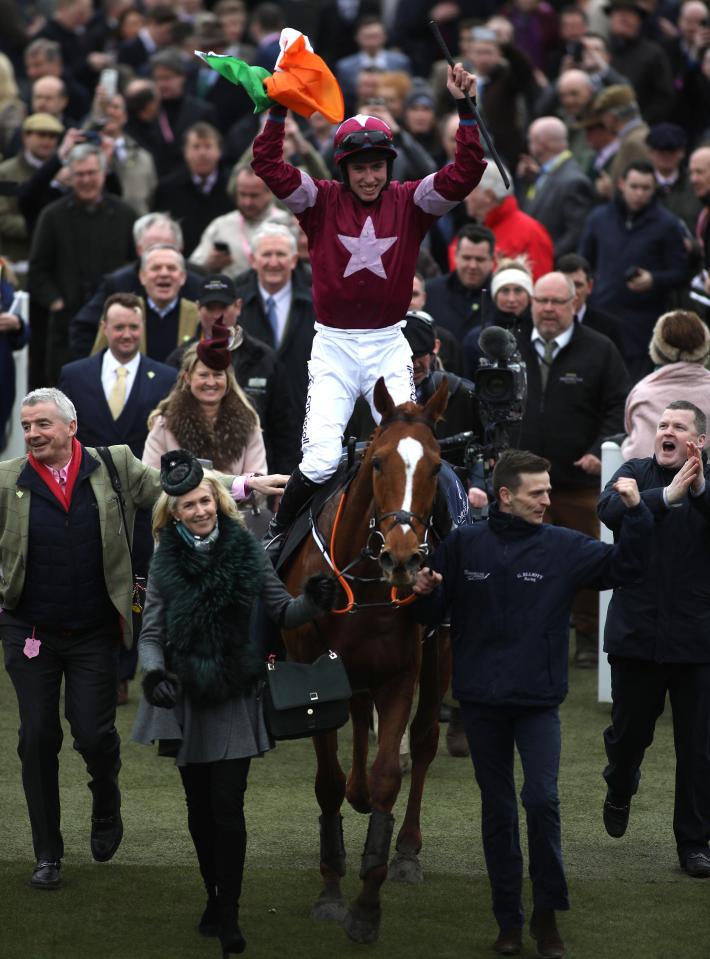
410, 451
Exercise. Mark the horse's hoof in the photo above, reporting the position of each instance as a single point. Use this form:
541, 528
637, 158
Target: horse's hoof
328, 908
362, 924
405, 867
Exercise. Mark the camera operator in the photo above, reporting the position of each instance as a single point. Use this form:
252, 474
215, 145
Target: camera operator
577, 386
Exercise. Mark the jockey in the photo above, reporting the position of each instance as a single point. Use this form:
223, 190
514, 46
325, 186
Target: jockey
363, 237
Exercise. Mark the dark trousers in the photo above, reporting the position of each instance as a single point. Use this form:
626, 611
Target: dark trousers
87, 659
214, 793
576, 508
493, 732
638, 691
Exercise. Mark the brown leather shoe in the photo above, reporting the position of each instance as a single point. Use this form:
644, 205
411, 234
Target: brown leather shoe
543, 928
509, 942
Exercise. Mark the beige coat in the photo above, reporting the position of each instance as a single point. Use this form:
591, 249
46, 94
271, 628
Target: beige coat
160, 440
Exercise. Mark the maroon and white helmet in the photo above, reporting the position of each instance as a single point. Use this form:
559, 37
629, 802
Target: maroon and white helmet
361, 133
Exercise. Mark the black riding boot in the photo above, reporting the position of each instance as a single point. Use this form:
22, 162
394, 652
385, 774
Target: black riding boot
298, 491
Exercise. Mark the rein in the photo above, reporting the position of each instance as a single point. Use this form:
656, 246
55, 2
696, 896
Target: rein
399, 517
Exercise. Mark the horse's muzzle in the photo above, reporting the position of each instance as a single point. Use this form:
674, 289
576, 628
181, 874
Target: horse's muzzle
401, 571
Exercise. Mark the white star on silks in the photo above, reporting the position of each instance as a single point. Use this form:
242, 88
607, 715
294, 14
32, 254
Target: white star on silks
366, 250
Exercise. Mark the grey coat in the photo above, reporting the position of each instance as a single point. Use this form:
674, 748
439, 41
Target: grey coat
561, 203
230, 730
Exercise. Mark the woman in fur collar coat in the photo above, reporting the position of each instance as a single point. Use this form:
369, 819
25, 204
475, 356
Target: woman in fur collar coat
207, 413
201, 662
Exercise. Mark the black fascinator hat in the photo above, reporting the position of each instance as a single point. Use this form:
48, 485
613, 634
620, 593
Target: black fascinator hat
180, 472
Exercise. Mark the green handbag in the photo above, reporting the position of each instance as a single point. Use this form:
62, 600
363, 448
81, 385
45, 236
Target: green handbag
304, 699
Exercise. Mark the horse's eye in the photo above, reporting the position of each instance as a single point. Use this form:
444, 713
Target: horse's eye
376, 464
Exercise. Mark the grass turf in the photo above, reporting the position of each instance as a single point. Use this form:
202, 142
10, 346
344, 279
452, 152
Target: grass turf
629, 898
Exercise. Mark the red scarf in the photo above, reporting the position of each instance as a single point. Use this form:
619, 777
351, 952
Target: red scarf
63, 495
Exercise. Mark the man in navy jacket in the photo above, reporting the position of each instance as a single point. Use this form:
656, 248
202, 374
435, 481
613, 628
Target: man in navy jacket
658, 634
636, 250
508, 584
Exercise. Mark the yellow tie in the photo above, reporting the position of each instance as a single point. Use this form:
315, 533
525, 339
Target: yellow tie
117, 396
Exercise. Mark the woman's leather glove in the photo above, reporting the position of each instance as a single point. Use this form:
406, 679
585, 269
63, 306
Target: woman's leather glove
321, 590
160, 688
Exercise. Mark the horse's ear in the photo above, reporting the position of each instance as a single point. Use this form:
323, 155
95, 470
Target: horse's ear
436, 404
384, 404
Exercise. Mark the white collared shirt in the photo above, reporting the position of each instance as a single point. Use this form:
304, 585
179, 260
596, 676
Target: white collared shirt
282, 302
205, 184
562, 339
162, 311
109, 367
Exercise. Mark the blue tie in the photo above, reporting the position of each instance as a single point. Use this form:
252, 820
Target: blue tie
272, 318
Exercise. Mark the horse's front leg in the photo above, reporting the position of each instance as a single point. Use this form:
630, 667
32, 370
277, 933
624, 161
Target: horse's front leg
330, 790
424, 736
393, 701
357, 791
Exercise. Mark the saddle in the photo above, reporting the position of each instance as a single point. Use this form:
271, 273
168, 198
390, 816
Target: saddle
338, 483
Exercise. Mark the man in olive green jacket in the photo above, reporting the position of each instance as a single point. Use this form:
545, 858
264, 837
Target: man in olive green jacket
66, 590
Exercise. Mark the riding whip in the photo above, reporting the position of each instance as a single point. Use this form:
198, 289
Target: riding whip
471, 105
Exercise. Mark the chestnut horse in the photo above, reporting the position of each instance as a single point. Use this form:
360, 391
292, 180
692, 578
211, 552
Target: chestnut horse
374, 538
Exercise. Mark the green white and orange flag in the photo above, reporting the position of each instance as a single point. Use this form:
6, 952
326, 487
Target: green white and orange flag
301, 80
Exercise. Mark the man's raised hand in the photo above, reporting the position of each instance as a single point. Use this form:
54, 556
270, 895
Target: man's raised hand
694, 452
627, 489
678, 489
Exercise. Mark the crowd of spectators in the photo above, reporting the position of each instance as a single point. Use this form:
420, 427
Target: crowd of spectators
170, 292
126, 169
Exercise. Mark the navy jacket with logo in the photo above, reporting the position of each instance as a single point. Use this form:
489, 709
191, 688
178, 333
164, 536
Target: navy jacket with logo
509, 586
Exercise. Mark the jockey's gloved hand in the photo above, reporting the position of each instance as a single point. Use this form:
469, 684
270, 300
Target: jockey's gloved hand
321, 590
160, 689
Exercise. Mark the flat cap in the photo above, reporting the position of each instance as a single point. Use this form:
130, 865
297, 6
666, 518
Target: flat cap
42, 123
613, 98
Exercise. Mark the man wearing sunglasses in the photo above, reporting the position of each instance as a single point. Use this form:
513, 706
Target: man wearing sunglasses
363, 236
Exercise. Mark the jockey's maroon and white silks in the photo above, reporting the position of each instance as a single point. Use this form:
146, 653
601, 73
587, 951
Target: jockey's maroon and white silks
364, 254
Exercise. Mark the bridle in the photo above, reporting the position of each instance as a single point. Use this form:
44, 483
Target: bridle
375, 540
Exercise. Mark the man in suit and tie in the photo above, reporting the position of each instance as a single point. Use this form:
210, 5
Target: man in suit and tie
276, 304
579, 271
114, 391
196, 194
559, 195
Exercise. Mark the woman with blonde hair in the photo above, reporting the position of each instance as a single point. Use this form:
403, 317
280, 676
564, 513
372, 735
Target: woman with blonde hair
201, 662
208, 413
12, 109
